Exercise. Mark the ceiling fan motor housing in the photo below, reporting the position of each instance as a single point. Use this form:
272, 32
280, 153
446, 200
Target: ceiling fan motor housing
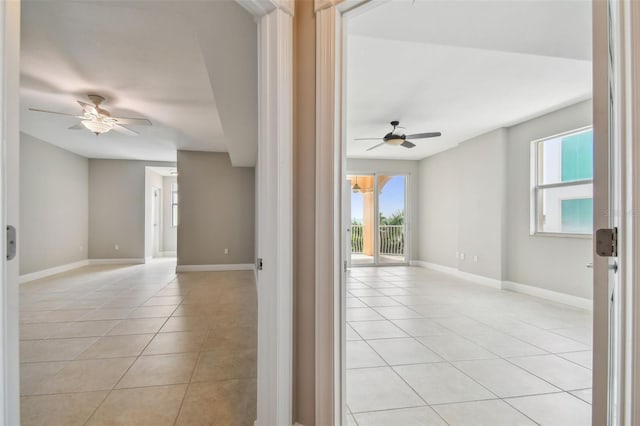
392, 138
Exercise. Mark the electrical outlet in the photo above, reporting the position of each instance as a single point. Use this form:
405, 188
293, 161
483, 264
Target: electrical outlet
226, 251
461, 256
117, 247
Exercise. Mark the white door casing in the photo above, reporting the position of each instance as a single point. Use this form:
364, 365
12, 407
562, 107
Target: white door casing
619, 87
329, 234
274, 210
9, 207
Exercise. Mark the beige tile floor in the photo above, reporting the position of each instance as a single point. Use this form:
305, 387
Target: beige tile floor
138, 345
424, 348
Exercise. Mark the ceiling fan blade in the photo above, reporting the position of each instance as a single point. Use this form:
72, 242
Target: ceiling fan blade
367, 139
424, 135
122, 129
133, 121
51, 112
375, 146
77, 127
88, 107
408, 144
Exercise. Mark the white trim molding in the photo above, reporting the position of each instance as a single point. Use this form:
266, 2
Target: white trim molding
330, 398
9, 210
328, 337
553, 296
624, 137
260, 8
32, 276
542, 293
208, 268
479, 279
123, 261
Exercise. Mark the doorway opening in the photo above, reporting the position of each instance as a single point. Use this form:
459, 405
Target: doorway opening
377, 219
489, 319
161, 217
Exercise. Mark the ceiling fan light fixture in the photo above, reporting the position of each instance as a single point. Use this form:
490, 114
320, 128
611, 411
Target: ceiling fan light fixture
395, 140
97, 127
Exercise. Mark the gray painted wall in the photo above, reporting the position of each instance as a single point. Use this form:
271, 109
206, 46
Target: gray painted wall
438, 206
397, 166
216, 210
554, 263
117, 208
481, 202
53, 206
486, 181
169, 233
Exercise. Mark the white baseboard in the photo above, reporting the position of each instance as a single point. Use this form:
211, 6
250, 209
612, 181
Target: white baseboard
478, 279
553, 296
123, 261
207, 268
32, 276
168, 253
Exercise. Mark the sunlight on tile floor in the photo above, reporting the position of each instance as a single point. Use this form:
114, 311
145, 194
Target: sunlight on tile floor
138, 345
424, 348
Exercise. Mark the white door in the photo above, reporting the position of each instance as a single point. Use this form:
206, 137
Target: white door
156, 218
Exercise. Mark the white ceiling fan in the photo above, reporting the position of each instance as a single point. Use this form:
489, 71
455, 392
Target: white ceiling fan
99, 120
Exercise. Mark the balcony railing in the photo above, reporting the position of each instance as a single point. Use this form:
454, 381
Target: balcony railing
391, 239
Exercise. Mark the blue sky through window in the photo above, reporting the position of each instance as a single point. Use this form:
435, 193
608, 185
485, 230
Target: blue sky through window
391, 199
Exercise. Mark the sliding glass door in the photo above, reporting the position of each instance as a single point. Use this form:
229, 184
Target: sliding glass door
378, 228
391, 219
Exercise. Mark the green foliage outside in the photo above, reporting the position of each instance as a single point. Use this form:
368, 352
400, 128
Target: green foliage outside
391, 238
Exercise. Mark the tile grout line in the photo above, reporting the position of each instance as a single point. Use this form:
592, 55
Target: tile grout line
128, 368
484, 347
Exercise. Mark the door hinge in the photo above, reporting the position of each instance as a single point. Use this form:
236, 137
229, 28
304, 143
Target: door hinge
607, 242
345, 266
11, 242
259, 264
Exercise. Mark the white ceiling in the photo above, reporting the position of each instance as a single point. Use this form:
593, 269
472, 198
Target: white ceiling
188, 66
461, 67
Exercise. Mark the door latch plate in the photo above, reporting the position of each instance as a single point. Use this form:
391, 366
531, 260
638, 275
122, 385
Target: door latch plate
12, 242
607, 242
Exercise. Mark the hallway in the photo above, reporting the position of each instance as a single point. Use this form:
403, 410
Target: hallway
138, 345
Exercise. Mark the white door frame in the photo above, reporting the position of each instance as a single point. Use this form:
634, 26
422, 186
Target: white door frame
330, 169
9, 208
330, 252
618, 81
274, 210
